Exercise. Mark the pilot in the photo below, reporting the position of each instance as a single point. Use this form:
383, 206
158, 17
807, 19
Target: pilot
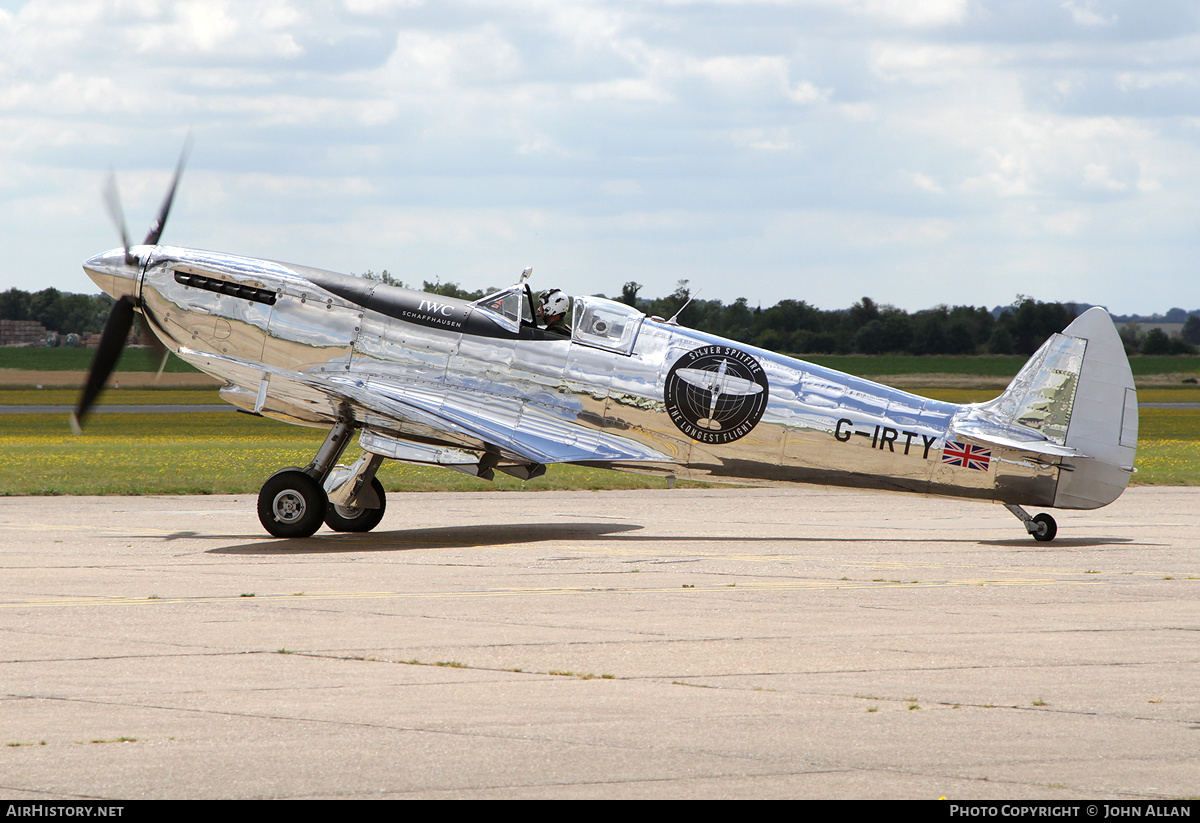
552, 308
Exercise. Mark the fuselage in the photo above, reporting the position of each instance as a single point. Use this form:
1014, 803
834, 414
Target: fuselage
433, 379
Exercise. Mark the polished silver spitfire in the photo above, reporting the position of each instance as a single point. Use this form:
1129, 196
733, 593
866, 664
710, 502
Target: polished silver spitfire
480, 387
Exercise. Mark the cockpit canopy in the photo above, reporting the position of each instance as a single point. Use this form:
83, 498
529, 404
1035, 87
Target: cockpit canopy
595, 321
514, 305
605, 324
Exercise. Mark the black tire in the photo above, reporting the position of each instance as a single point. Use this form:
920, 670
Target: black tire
354, 519
291, 504
1045, 529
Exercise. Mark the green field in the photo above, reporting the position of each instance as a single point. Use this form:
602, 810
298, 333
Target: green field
214, 453
225, 452
206, 396
111, 397
33, 358
992, 365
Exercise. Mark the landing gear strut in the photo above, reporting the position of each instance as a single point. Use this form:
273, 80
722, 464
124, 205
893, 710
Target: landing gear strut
1041, 526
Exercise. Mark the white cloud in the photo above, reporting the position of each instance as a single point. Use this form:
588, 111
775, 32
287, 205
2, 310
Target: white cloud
1098, 176
911, 13
906, 143
1066, 223
375, 7
634, 90
770, 140
422, 59
805, 92
1085, 13
926, 183
928, 64
621, 188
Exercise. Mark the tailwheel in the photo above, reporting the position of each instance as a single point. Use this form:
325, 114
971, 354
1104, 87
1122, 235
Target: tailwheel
355, 518
291, 504
1043, 528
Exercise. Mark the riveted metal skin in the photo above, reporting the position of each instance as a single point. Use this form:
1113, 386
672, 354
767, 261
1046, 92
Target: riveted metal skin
478, 387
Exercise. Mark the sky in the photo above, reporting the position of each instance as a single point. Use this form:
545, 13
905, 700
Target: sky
917, 152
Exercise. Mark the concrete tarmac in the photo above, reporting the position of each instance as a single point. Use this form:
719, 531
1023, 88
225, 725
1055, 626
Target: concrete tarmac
717, 643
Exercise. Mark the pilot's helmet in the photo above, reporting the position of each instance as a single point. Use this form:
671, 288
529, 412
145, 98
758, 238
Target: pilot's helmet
553, 302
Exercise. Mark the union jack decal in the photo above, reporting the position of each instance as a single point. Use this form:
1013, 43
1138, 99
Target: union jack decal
963, 455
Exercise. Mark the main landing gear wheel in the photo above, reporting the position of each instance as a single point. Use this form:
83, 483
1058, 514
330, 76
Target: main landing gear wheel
1044, 528
353, 518
291, 504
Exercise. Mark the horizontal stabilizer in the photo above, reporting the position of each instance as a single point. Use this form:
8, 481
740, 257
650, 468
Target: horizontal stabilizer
1006, 440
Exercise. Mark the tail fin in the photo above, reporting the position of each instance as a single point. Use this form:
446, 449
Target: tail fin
1104, 418
1073, 404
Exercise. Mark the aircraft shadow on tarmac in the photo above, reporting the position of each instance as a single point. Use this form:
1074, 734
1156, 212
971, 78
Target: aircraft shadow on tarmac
448, 537
484, 535
1066, 543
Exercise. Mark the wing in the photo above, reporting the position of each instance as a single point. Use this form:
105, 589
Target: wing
432, 418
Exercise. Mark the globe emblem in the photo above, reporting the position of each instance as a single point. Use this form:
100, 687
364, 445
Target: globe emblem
716, 394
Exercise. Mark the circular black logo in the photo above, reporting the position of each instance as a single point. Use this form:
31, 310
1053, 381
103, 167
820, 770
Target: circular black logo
716, 394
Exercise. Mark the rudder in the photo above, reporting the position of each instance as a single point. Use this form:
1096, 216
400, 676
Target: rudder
1103, 421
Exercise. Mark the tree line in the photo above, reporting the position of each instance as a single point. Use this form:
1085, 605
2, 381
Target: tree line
58, 311
789, 326
795, 327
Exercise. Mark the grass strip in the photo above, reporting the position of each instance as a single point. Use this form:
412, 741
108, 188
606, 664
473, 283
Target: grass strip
35, 358
215, 453
228, 453
111, 397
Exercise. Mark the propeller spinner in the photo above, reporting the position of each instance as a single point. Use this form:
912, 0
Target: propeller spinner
116, 273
